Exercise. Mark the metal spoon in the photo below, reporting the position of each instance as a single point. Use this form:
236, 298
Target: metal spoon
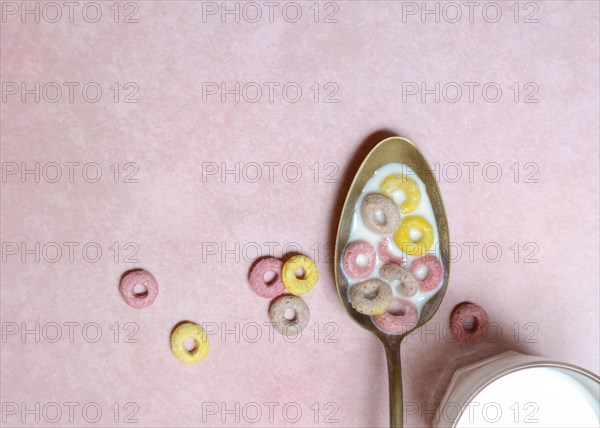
393, 149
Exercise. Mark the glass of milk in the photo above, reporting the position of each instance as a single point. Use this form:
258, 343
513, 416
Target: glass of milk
516, 390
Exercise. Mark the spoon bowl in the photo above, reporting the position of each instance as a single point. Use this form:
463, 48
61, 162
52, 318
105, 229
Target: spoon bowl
393, 149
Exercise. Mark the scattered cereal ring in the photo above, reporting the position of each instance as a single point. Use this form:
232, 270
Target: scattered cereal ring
353, 250
371, 206
408, 286
257, 281
395, 182
371, 297
192, 331
289, 327
386, 255
434, 271
460, 315
406, 243
127, 288
398, 324
306, 282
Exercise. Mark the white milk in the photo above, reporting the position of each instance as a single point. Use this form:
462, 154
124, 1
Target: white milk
534, 397
360, 232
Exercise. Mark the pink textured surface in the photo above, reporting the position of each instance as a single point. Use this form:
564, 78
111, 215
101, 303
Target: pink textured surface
176, 217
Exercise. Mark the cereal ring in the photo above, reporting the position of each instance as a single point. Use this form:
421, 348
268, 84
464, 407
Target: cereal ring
460, 315
434, 271
406, 243
371, 206
305, 283
257, 281
395, 182
289, 327
386, 255
353, 250
398, 324
371, 297
408, 286
191, 331
127, 288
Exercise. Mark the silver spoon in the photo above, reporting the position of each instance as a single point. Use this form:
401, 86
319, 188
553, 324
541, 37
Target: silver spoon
393, 149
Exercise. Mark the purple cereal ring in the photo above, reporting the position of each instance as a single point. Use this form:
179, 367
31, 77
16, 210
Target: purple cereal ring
127, 288
398, 324
269, 289
353, 250
384, 252
434, 271
460, 315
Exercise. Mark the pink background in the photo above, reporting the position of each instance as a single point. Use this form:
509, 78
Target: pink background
548, 308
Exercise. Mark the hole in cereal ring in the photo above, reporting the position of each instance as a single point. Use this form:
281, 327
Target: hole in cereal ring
371, 293
189, 344
415, 234
396, 308
290, 314
300, 273
470, 324
269, 277
379, 217
140, 290
421, 272
398, 197
362, 260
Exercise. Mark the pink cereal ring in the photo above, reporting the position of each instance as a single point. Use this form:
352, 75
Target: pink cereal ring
355, 249
268, 289
127, 288
434, 271
460, 315
384, 252
398, 324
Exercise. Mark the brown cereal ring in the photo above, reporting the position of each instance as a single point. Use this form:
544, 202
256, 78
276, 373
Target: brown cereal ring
408, 286
281, 323
371, 205
460, 315
371, 297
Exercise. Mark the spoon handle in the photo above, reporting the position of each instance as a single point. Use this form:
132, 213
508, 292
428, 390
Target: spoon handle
392, 352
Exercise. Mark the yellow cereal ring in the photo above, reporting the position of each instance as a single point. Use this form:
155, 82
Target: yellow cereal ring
409, 246
192, 331
303, 284
395, 182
